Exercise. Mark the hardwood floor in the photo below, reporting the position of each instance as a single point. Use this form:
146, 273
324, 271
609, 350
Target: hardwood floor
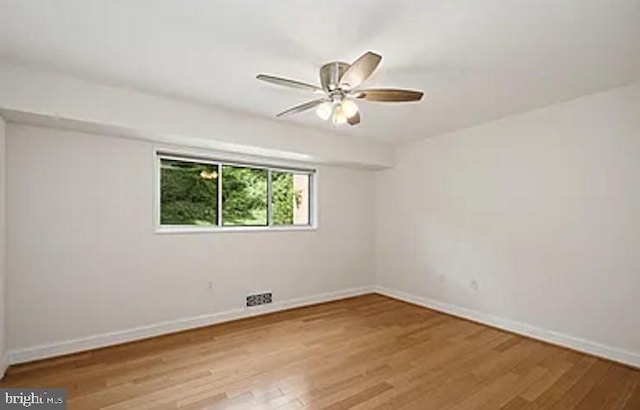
369, 352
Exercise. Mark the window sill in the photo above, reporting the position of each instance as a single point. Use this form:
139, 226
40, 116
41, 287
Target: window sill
226, 229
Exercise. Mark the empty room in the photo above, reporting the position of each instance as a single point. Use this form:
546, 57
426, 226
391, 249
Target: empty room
336, 204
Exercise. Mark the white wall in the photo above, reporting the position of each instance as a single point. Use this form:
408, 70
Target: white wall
541, 209
3, 259
83, 258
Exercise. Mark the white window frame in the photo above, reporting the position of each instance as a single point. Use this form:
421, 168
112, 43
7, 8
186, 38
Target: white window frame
219, 160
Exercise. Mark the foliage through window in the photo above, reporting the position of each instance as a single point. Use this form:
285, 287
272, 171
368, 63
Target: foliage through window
203, 193
290, 198
244, 196
189, 193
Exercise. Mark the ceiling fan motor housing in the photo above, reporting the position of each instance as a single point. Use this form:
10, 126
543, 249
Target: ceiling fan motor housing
331, 73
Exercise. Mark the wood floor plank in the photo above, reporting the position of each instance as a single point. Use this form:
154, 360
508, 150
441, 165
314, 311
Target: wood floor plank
633, 400
369, 352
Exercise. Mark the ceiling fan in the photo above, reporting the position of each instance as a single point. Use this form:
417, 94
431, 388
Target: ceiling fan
340, 86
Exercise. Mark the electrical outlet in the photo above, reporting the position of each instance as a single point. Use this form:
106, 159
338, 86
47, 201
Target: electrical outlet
259, 299
474, 285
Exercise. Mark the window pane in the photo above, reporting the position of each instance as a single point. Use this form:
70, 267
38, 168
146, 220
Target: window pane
244, 196
188, 193
290, 194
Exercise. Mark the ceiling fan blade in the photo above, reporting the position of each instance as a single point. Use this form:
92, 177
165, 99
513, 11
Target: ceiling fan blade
390, 95
354, 120
289, 83
360, 70
302, 107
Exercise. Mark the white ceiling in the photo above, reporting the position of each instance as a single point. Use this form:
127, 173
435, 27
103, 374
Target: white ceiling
476, 60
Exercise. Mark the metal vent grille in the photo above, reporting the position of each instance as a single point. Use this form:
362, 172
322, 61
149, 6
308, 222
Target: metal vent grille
259, 299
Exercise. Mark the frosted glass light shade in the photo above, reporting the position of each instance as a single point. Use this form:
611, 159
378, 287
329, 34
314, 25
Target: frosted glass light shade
324, 110
349, 108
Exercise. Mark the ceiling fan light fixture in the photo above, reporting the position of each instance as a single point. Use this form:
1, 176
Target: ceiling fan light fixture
325, 110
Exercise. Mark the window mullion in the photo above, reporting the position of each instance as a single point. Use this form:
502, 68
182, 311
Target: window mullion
311, 200
219, 207
269, 197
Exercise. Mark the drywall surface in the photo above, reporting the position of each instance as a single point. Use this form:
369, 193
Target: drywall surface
84, 259
533, 219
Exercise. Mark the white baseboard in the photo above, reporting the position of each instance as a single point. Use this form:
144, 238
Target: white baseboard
143, 332
575, 343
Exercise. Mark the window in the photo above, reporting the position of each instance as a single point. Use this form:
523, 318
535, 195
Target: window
244, 197
199, 194
188, 193
290, 198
